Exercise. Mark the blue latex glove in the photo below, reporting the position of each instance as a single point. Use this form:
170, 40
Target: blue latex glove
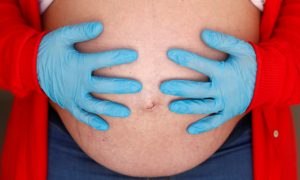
65, 75
231, 85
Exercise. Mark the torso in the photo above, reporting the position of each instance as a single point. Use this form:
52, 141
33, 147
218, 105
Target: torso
152, 141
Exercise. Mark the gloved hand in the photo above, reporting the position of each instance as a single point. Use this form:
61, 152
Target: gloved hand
65, 75
231, 85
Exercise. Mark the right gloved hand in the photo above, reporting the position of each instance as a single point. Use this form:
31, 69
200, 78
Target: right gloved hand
65, 75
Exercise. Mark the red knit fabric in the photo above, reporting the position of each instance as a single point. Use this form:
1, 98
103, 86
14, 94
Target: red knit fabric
24, 155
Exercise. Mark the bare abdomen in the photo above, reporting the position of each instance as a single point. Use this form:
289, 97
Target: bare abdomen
152, 141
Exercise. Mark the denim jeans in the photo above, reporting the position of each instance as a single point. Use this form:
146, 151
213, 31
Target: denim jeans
66, 161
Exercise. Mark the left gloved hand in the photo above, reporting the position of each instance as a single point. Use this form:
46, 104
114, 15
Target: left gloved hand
231, 85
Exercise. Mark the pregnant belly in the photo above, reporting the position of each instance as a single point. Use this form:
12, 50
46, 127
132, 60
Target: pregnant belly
152, 141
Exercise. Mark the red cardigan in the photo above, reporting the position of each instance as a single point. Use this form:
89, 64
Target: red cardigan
277, 87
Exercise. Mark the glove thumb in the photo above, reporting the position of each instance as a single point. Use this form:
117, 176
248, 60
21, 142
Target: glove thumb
80, 32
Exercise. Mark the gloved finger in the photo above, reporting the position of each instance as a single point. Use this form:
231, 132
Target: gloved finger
79, 32
197, 106
90, 119
109, 58
195, 62
97, 106
189, 89
225, 43
206, 124
107, 85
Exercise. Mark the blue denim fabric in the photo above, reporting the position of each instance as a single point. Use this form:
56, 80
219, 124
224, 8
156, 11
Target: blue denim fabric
66, 161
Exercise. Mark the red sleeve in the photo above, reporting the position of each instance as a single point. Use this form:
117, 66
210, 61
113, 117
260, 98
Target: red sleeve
278, 61
19, 45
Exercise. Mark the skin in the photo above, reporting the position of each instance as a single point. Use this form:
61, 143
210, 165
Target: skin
152, 141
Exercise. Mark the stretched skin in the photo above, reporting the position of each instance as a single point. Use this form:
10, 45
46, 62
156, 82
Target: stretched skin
277, 86
152, 141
